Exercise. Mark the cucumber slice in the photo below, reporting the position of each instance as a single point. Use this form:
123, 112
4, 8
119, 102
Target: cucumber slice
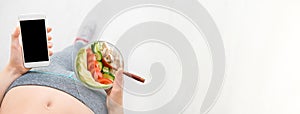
100, 65
93, 48
98, 56
109, 76
96, 50
96, 47
105, 70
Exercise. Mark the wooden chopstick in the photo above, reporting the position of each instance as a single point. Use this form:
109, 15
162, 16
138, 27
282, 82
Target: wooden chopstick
133, 76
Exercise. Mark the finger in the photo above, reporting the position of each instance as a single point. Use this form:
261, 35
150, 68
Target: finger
50, 44
49, 29
15, 37
50, 53
119, 75
16, 33
49, 37
118, 82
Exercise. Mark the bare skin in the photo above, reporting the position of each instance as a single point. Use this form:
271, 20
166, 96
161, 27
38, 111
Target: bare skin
42, 100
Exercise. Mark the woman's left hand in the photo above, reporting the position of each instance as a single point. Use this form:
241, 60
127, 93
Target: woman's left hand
16, 63
114, 99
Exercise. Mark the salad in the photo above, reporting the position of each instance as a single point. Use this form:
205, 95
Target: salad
96, 65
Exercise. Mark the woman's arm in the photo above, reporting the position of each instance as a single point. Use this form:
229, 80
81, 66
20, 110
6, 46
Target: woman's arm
7, 76
15, 67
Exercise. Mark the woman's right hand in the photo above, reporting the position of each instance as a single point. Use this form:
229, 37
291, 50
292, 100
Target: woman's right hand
16, 61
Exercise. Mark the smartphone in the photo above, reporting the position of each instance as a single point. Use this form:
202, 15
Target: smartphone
34, 40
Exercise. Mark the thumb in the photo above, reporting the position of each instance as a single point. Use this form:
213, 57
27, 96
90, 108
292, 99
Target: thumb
15, 36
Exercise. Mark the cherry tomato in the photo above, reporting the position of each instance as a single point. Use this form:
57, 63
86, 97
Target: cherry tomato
104, 81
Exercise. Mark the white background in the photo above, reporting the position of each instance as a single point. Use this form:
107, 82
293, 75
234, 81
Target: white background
261, 39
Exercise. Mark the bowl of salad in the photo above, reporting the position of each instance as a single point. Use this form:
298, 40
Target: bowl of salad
96, 64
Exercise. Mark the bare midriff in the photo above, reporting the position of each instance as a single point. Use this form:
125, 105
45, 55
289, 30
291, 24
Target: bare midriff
41, 100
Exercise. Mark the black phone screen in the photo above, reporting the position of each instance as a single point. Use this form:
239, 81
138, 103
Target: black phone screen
34, 40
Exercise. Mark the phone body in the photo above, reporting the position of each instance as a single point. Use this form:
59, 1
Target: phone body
34, 40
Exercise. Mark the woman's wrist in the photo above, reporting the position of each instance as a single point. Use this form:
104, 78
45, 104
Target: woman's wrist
12, 72
113, 107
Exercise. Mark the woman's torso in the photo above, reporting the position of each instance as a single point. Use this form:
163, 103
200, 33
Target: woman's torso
41, 100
